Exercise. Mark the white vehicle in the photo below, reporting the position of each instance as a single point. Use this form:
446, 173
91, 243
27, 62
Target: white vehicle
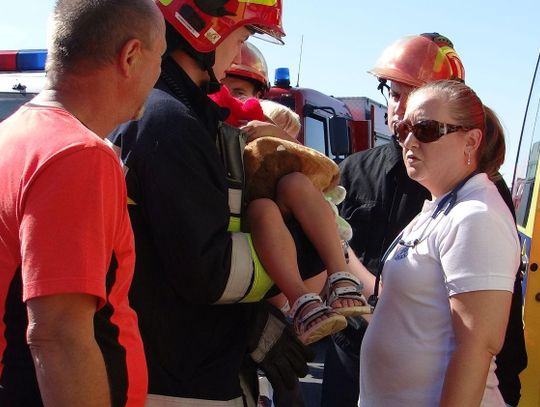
22, 76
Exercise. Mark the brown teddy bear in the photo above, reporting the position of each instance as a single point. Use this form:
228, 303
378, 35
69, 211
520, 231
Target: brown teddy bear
267, 159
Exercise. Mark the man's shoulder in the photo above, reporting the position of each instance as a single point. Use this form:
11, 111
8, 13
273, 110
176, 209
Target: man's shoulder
162, 103
44, 131
368, 156
369, 160
164, 115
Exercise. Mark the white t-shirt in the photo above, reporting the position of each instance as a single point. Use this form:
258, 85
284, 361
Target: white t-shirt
410, 339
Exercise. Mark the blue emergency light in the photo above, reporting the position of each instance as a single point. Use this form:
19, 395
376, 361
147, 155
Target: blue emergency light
23, 60
282, 78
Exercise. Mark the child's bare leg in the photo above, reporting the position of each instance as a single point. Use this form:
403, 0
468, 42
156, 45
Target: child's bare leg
275, 247
277, 251
280, 301
314, 285
297, 195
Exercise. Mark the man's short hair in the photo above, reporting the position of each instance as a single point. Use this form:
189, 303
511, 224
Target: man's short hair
90, 33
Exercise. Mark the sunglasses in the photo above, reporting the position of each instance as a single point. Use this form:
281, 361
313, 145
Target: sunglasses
425, 131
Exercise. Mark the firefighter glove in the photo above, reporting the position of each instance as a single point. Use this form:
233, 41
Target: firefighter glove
276, 349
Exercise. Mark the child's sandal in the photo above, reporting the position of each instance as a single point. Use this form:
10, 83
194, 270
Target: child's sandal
352, 291
306, 329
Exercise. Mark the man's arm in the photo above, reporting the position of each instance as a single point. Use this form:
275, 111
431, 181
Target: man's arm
362, 273
69, 364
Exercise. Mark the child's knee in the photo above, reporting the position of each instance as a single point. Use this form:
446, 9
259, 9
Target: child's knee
262, 207
291, 184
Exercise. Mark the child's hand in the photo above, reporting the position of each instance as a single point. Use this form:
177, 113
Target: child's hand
256, 129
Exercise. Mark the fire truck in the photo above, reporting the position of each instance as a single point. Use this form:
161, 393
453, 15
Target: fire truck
335, 126
525, 193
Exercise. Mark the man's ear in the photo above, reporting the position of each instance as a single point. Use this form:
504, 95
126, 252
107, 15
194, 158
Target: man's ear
129, 56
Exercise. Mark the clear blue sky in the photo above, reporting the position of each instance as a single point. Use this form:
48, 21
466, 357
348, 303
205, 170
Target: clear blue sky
498, 42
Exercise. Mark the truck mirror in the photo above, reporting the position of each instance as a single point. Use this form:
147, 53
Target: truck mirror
340, 144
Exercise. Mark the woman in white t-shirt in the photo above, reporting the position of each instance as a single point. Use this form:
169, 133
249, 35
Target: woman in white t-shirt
447, 280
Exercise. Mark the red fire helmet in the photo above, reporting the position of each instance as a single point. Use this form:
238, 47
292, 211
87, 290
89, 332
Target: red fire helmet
205, 23
419, 59
252, 65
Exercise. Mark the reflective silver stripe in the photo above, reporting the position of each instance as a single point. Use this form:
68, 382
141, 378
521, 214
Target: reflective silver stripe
241, 270
271, 333
235, 201
157, 400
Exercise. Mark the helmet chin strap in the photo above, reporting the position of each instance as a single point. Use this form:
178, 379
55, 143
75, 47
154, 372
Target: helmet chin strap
212, 85
206, 62
381, 87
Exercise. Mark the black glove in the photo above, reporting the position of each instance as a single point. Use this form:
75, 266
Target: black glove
276, 349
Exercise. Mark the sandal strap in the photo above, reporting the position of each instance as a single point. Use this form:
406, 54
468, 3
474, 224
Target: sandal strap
352, 292
346, 293
314, 314
301, 323
302, 301
343, 276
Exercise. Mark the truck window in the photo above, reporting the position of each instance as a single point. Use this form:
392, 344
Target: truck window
315, 134
528, 155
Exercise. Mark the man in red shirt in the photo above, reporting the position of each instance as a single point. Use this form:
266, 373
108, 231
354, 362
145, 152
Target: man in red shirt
67, 335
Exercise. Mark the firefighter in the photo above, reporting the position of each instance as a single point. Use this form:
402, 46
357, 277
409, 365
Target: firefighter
249, 76
382, 201
197, 278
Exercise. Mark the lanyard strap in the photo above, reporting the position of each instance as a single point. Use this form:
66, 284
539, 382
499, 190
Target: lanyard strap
449, 200
451, 197
373, 298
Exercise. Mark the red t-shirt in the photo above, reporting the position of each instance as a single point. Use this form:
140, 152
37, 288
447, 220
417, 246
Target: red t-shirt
64, 228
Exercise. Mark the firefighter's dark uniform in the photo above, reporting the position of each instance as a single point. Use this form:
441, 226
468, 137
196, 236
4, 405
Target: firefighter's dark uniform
187, 260
381, 201
185, 254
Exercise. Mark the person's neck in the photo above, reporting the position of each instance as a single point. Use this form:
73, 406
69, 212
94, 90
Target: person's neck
450, 184
190, 67
90, 99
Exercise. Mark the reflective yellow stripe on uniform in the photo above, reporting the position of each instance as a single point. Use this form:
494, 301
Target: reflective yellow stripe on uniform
247, 269
261, 280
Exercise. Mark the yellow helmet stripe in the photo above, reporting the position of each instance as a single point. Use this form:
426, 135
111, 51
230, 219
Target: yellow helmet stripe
269, 3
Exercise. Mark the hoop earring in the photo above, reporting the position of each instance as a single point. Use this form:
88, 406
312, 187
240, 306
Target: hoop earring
469, 158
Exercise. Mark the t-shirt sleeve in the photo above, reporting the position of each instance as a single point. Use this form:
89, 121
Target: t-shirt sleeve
69, 213
479, 251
